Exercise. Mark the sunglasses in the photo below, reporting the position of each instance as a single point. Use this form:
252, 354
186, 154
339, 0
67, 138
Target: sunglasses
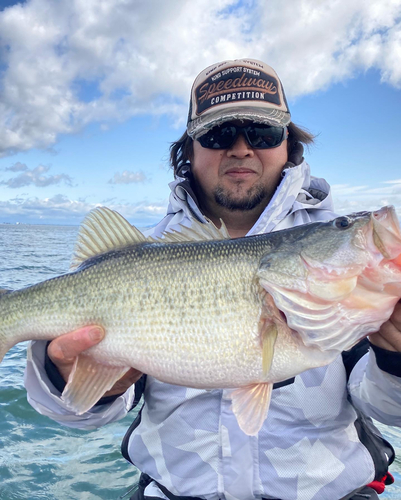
258, 136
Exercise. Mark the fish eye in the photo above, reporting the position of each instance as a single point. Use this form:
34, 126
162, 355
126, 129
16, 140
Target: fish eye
343, 222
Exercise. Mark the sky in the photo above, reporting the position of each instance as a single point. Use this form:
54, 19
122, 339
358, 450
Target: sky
93, 92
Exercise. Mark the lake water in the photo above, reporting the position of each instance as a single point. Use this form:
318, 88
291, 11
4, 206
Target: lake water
40, 459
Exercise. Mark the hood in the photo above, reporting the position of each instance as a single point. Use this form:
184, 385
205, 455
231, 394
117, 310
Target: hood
298, 192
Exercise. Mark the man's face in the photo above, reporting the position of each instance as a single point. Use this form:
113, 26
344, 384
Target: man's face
237, 178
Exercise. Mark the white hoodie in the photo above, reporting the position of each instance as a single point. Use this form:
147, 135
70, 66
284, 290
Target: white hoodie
188, 439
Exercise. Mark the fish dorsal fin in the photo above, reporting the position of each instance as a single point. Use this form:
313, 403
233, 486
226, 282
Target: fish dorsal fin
196, 232
103, 230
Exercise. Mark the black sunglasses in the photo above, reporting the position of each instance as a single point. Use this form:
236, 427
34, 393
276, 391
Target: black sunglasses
258, 136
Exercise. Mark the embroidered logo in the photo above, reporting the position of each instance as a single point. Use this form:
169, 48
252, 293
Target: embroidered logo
237, 83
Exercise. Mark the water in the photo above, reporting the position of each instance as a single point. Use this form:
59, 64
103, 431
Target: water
40, 459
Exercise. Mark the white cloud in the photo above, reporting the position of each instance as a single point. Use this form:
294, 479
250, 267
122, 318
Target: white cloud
128, 177
348, 198
141, 57
34, 177
17, 167
63, 210
396, 182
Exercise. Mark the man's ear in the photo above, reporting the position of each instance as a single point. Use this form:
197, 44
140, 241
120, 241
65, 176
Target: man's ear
295, 156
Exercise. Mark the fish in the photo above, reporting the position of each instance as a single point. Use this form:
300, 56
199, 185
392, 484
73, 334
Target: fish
199, 309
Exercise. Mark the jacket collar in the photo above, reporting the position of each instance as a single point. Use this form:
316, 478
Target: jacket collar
297, 190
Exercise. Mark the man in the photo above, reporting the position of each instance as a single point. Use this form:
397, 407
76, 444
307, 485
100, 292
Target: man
240, 160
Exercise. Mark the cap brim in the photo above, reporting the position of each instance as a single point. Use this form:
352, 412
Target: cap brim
277, 118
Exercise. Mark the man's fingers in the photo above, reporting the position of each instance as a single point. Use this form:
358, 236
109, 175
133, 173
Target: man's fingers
64, 349
389, 335
125, 382
396, 316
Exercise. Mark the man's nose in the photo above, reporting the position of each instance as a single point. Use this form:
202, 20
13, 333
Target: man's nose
240, 148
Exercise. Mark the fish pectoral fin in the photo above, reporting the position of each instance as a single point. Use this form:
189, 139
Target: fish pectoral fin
268, 336
269, 323
88, 381
250, 405
101, 231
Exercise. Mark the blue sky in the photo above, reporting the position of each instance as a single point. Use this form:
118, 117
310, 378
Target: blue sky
92, 92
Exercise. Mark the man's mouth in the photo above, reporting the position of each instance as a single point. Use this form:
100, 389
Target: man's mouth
240, 173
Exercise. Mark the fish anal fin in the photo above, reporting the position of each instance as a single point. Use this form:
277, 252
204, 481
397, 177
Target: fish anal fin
250, 405
88, 382
103, 230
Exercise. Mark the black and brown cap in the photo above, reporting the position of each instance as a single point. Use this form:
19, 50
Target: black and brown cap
242, 89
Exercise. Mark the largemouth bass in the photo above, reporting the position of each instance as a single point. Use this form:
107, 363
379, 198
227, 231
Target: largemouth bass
218, 313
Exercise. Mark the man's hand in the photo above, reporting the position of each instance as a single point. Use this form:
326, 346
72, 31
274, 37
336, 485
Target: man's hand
64, 349
389, 335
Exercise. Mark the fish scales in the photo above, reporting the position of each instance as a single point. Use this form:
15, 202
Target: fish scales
239, 314
126, 292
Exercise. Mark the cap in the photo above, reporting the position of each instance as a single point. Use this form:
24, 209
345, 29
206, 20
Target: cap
244, 89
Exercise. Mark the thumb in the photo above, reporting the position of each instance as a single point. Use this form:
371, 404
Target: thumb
64, 349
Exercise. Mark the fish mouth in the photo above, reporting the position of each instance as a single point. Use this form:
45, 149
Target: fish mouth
386, 233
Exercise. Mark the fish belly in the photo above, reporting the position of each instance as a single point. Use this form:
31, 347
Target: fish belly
193, 325
187, 322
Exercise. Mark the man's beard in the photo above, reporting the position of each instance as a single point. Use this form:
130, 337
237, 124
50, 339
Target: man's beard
248, 201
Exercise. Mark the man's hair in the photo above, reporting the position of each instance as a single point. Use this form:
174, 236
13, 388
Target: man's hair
181, 151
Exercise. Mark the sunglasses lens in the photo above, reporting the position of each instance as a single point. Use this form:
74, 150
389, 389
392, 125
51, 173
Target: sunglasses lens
219, 137
258, 136
264, 136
